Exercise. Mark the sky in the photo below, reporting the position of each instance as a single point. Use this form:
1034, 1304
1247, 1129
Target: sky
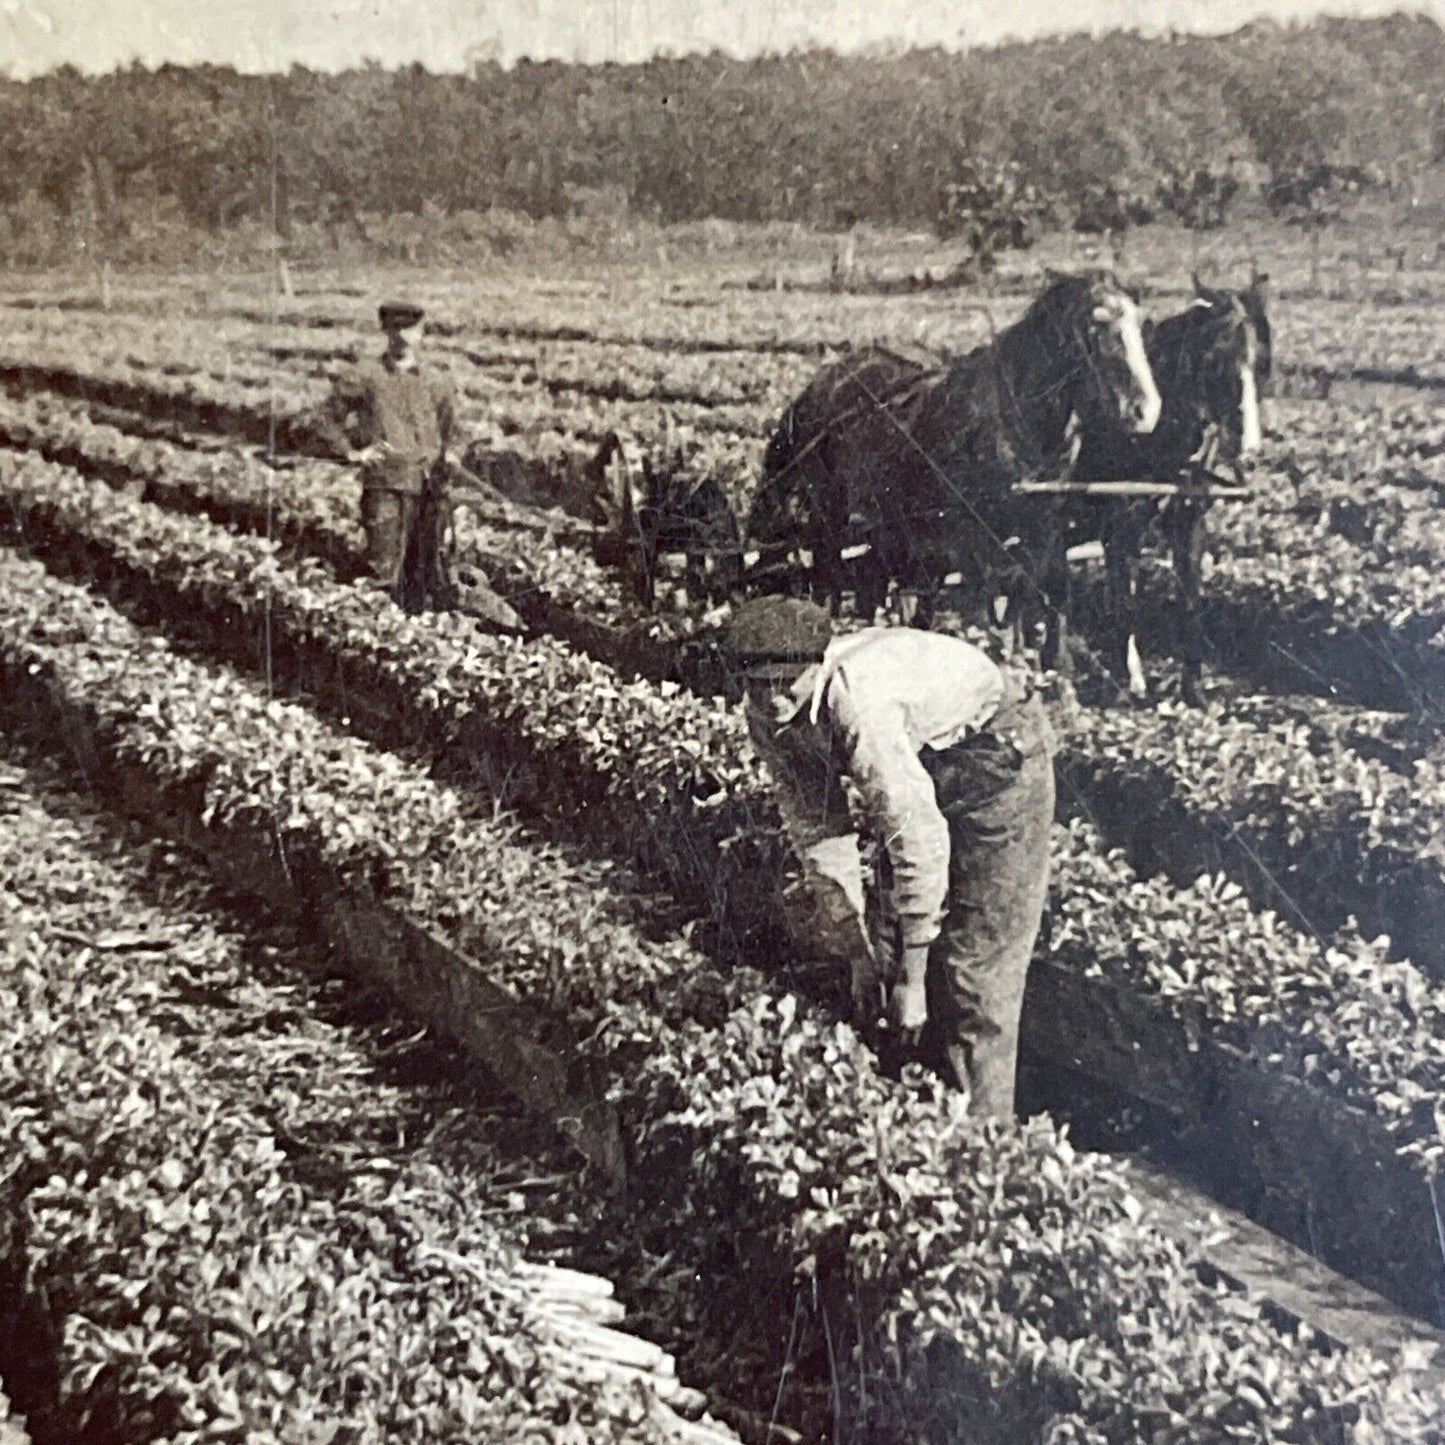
444, 34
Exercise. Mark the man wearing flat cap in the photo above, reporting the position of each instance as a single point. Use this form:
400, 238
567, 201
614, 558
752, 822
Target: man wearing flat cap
396, 419
950, 760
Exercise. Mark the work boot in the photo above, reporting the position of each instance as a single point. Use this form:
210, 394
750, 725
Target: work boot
472, 595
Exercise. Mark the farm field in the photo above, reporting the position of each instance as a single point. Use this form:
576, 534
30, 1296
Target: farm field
243, 1165
560, 846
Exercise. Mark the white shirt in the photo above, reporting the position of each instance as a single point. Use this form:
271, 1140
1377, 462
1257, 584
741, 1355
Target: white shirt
877, 699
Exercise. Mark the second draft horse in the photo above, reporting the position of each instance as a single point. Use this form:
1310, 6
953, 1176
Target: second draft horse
1212, 361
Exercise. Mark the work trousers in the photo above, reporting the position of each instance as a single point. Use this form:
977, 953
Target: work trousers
997, 791
406, 541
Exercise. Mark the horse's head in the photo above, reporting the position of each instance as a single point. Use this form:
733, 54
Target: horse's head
1099, 325
1222, 360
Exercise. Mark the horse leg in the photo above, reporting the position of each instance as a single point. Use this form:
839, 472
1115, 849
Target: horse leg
696, 574
831, 577
1133, 663
872, 589
820, 576
999, 619
926, 583
1056, 654
649, 549
1122, 541
825, 582
1188, 529
1116, 583
927, 605
1012, 620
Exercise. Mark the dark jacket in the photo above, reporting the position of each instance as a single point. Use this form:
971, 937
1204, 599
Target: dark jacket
411, 412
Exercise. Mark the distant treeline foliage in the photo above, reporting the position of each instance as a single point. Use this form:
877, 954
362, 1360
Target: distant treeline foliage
1097, 133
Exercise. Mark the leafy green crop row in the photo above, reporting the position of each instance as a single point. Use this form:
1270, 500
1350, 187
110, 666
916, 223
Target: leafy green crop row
1389, 581
1355, 486
1311, 822
250, 351
314, 506
642, 761
1337, 334
668, 780
584, 392
1383, 439
206, 1201
987, 1279
245, 409
528, 448
745, 332
1275, 587
1316, 830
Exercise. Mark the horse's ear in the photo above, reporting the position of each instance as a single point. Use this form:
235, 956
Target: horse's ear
1204, 298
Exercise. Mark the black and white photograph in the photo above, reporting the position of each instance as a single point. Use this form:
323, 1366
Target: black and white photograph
722, 724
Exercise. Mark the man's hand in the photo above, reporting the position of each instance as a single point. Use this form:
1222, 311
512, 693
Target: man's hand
376, 452
908, 1002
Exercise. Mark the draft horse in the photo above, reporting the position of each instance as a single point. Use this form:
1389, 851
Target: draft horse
1211, 361
918, 463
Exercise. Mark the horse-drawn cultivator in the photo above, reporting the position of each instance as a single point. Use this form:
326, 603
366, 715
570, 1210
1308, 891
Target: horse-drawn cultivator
553, 844
987, 474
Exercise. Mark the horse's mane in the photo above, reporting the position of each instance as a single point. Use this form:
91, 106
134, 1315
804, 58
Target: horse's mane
1076, 287
1067, 297
1046, 302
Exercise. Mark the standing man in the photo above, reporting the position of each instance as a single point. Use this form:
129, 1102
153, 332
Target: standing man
951, 761
395, 419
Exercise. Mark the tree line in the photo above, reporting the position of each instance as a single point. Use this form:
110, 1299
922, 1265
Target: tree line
1095, 132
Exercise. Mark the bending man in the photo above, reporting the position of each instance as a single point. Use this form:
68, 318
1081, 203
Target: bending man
951, 762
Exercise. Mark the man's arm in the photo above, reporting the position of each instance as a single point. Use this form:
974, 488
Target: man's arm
346, 421
898, 798
825, 911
